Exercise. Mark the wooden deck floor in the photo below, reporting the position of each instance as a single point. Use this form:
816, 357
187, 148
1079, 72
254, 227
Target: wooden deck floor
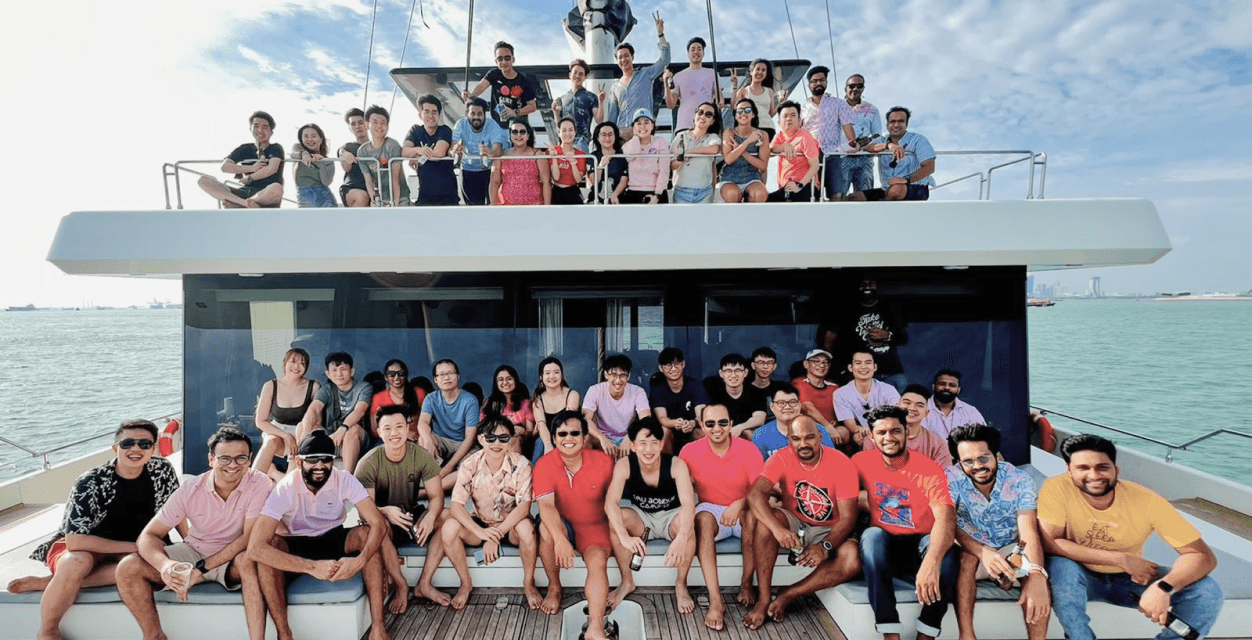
805, 620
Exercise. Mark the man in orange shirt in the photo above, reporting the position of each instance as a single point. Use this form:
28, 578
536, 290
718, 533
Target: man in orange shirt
797, 162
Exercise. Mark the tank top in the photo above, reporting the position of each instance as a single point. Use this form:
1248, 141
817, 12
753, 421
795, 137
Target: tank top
740, 171
520, 181
762, 102
662, 497
289, 416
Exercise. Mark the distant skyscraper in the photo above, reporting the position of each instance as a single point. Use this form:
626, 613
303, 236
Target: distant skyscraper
1093, 288
1030, 286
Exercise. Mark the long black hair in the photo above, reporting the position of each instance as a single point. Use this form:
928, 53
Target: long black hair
497, 402
410, 394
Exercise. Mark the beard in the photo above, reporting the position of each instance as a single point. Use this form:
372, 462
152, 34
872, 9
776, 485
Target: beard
307, 474
945, 396
817, 91
1109, 489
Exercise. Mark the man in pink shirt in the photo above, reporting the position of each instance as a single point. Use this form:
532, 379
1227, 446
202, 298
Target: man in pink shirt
221, 505
919, 438
723, 469
301, 530
797, 162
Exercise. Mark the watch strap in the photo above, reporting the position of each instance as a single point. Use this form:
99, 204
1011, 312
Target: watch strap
200, 566
1165, 586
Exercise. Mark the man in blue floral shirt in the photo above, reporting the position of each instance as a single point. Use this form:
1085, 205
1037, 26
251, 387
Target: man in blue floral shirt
107, 509
995, 510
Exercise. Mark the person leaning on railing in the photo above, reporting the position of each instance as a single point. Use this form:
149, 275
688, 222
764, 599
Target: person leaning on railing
514, 179
909, 173
648, 173
258, 165
314, 171
429, 142
609, 175
696, 149
567, 171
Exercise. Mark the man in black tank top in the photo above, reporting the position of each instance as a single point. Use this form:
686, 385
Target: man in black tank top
658, 486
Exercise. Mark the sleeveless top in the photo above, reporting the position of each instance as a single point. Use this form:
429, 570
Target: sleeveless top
519, 181
762, 102
662, 497
289, 416
740, 171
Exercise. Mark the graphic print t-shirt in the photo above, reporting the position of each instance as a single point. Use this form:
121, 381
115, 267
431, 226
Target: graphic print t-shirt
812, 494
900, 501
511, 93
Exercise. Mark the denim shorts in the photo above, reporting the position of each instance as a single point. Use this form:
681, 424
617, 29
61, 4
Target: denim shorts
693, 194
315, 196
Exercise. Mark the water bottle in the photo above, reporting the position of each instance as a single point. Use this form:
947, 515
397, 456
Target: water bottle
793, 555
636, 561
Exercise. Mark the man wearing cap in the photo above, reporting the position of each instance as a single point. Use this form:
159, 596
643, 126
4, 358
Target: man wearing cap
220, 505
647, 176
633, 91
301, 530
817, 396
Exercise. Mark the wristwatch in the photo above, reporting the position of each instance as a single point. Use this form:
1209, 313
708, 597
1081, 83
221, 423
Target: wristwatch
200, 567
830, 548
1165, 586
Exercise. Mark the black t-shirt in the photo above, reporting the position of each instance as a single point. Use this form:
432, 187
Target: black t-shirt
511, 93
353, 179
681, 405
618, 167
438, 183
248, 154
768, 392
132, 507
885, 352
741, 408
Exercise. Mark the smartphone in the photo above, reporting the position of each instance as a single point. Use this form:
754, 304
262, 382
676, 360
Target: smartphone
478, 557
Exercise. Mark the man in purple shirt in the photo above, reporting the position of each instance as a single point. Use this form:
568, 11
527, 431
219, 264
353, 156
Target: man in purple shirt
853, 400
221, 506
310, 506
947, 411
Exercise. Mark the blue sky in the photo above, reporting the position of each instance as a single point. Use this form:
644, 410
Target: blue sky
1128, 98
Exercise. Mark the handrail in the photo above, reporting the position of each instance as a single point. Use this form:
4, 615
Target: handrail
47, 462
982, 181
178, 167
1030, 156
1170, 447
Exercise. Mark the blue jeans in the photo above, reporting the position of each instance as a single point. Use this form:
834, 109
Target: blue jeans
885, 556
1074, 585
693, 194
315, 196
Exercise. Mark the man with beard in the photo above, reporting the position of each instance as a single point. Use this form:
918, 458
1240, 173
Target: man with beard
817, 77
909, 172
310, 506
1094, 528
855, 170
477, 139
945, 411
919, 438
911, 530
819, 493
995, 509
877, 327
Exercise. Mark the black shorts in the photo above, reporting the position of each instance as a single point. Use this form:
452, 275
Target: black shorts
916, 192
636, 197
247, 191
343, 192
331, 545
567, 195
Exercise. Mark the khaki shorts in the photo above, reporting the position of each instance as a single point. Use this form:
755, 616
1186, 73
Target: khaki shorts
182, 552
814, 532
446, 447
658, 522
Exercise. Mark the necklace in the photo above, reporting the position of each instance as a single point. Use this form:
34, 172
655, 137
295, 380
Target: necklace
815, 464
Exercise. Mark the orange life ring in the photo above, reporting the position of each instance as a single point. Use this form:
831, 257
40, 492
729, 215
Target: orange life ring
1047, 435
166, 444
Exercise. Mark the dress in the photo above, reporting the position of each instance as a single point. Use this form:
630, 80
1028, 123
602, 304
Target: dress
519, 182
741, 172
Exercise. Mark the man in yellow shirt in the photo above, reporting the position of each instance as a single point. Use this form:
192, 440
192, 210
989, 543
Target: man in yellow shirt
1093, 528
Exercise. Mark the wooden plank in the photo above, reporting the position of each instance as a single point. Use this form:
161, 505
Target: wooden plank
1236, 522
651, 621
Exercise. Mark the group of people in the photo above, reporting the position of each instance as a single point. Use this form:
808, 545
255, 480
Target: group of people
605, 147
855, 480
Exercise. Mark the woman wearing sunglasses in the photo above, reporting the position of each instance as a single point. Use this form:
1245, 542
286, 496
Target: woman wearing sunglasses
397, 391
696, 149
510, 399
497, 480
745, 148
514, 180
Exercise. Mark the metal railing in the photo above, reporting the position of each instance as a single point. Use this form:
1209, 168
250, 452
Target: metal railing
47, 462
1036, 160
1170, 447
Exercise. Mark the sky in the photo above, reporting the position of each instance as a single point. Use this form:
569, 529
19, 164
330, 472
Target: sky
1127, 98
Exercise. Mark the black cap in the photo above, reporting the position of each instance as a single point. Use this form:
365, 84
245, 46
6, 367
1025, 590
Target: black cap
317, 443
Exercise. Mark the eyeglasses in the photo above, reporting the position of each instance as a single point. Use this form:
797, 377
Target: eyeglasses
129, 443
225, 460
983, 460
703, 113
746, 111
446, 374
396, 373
709, 424
671, 366
819, 362
616, 376
502, 437
569, 434
735, 372
319, 458
518, 132
764, 362
857, 86
787, 404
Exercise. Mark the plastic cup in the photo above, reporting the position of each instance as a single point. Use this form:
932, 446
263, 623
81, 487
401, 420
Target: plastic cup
183, 571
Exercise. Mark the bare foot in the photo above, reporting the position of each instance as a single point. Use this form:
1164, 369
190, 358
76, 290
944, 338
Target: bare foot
461, 597
778, 608
54, 634
533, 599
624, 589
714, 618
746, 595
252, 204
685, 603
756, 617
399, 599
29, 583
378, 632
552, 603
427, 591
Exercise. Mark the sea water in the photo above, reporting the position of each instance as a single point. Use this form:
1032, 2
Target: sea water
1170, 370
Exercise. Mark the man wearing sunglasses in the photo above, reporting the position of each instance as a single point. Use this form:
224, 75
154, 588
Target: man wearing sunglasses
310, 504
106, 510
220, 505
996, 506
723, 469
393, 475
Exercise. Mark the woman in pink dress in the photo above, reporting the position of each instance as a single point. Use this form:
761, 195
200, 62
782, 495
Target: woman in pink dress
515, 180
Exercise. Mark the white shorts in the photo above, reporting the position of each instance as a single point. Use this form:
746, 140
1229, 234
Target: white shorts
717, 510
658, 523
182, 552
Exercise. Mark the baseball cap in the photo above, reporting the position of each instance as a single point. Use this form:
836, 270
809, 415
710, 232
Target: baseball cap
316, 443
642, 112
818, 352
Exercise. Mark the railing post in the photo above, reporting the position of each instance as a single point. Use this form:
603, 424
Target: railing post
1030, 179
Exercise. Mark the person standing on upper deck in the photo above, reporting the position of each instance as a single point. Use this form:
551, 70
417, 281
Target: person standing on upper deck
647, 176
909, 173
512, 94
759, 88
632, 92
394, 192
357, 185
429, 142
797, 161
945, 410
691, 86
843, 170
578, 103
258, 165
477, 139
817, 77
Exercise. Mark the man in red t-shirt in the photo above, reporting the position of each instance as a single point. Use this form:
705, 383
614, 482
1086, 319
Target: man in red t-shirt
817, 396
819, 491
797, 151
912, 525
570, 484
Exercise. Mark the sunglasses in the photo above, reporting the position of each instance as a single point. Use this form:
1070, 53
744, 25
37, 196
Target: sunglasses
703, 113
503, 58
130, 443
396, 374
225, 460
856, 86
319, 458
517, 132
746, 111
569, 434
983, 460
709, 424
503, 438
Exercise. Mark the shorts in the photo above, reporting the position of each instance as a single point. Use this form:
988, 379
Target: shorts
693, 194
813, 533
348, 188
250, 190
182, 552
657, 522
717, 510
331, 545
570, 194
286, 428
55, 552
586, 536
743, 186
445, 447
631, 196
916, 192
316, 196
